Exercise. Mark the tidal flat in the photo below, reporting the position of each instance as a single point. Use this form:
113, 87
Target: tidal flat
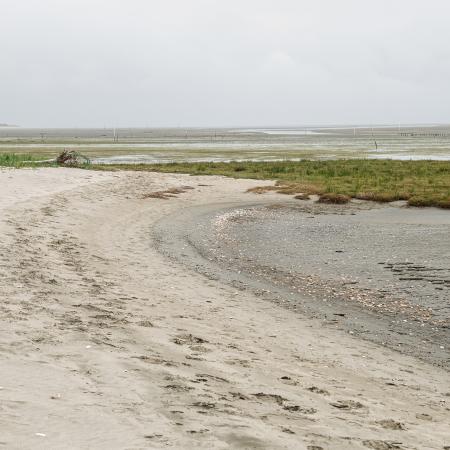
379, 272
163, 145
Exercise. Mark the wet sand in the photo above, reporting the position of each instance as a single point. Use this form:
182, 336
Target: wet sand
106, 343
379, 272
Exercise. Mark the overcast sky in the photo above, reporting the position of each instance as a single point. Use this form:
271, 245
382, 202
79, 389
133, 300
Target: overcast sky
224, 63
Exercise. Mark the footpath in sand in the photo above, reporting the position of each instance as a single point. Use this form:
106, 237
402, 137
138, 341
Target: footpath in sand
107, 344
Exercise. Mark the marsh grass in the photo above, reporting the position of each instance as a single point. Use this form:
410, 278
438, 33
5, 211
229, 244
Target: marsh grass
332, 198
421, 183
18, 160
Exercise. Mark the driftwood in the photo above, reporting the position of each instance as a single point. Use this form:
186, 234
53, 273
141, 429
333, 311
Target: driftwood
71, 158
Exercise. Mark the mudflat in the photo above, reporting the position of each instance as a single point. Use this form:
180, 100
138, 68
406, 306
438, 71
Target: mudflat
378, 271
111, 340
128, 145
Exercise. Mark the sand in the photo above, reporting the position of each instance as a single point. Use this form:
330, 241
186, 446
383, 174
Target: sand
108, 344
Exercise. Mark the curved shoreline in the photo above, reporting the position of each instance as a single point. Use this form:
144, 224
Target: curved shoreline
188, 236
108, 344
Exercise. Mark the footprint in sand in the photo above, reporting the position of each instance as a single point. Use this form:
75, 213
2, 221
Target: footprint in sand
424, 416
347, 404
204, 378
381, 445
178, 388
281, 401
318, 390
188, 339
390, 424
300, 409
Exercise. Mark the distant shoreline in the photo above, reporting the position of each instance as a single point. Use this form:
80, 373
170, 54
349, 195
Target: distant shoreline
154, 145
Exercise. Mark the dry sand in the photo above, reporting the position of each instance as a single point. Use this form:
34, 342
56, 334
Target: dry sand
107, 344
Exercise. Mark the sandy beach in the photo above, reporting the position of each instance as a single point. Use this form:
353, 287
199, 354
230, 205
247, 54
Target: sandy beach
110, 342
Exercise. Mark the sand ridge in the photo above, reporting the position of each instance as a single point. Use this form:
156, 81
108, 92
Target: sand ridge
106, 343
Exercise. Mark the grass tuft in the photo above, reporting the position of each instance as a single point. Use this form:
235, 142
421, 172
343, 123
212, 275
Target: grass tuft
332, 198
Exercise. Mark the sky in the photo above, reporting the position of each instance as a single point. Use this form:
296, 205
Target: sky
95, 63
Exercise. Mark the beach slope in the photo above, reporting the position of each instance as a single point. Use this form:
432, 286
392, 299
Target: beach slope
108, 344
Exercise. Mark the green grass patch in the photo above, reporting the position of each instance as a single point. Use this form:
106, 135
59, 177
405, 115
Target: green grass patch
19, 160
421, 183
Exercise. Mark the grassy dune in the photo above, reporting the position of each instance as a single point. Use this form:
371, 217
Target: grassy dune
421, 183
